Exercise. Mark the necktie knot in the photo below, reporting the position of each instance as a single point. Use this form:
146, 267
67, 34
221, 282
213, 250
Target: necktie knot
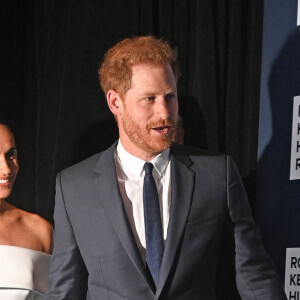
148, 168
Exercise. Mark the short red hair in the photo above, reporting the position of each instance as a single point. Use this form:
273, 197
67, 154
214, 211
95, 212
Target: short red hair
115, 72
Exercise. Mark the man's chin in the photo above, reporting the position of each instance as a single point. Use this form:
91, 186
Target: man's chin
160, 146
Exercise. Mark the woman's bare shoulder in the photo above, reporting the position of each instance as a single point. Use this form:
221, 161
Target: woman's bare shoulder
40, 227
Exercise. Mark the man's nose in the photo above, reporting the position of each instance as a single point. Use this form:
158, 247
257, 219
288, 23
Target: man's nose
162, 108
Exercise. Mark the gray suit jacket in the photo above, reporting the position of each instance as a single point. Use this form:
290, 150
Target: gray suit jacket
212, 249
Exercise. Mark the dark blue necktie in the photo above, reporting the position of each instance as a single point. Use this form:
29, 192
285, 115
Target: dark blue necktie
153, 228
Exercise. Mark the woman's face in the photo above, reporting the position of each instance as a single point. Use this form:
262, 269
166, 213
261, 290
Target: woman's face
8, 161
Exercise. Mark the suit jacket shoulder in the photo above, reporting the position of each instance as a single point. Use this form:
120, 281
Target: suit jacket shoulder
91, 164
200, 159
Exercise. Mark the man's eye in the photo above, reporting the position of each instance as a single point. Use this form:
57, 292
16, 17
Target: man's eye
12, 154
149, 99
170, 96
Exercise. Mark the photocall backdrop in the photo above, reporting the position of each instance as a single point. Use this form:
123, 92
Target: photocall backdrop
278, 197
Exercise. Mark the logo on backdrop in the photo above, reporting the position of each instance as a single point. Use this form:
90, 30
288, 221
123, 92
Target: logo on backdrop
292, 274
295, 145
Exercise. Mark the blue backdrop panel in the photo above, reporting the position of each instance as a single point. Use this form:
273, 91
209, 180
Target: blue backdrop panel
278, 199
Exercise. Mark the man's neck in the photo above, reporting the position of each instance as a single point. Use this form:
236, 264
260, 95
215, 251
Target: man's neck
138, 152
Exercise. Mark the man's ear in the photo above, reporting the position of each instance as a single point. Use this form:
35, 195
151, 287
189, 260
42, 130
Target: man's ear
114, 102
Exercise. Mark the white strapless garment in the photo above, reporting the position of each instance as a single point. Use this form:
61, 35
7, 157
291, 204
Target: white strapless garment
23, 273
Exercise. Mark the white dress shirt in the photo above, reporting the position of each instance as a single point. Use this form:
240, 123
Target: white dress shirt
130, 172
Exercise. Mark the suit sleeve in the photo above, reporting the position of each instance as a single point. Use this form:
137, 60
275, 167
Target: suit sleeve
68, 275
255, 273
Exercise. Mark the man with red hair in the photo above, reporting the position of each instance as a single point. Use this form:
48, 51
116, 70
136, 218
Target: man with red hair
148, 218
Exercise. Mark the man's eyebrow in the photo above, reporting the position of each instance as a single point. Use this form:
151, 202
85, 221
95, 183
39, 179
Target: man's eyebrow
148, 93
172, 91
12, 149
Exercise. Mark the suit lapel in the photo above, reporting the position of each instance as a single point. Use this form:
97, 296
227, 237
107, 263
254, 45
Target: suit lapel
182, 182
108, 190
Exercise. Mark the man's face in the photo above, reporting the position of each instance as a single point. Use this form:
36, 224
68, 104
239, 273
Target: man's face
8, 162
150, 108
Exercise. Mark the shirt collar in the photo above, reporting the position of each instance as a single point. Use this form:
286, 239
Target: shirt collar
133, 166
